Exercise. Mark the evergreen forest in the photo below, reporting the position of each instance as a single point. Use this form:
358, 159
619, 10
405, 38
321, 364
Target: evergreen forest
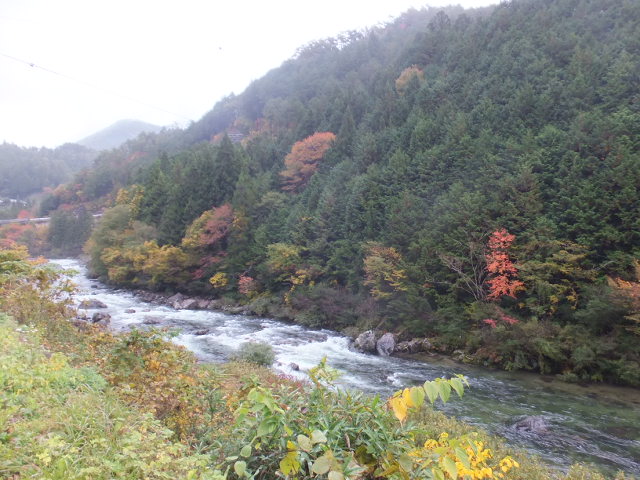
469, 176
26, 171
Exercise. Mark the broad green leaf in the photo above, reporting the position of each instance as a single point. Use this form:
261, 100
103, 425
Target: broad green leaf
445, 390
304, 443
246, 451
450, 467
290, 464
432, 391
265, 428
318, 437
456, 383
417, 396
256, 396
321, 465
463, 457
240, 468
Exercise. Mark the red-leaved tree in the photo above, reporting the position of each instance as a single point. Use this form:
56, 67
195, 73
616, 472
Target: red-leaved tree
206, 237
503, 274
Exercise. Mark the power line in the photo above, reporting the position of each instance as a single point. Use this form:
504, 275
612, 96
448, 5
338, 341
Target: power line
96, 87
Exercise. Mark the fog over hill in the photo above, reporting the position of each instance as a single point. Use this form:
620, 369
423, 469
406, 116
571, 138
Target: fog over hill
115, 135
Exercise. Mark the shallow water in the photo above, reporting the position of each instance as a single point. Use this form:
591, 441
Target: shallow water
597, 424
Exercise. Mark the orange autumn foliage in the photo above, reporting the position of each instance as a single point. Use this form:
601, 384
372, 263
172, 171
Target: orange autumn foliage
503, 273
302, 162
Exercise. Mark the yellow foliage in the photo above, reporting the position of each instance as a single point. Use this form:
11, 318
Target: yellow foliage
399, 407
219, 280
383, 271
131, 196
407, 75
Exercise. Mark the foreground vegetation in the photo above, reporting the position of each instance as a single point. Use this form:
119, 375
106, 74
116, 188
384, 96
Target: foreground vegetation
79, 402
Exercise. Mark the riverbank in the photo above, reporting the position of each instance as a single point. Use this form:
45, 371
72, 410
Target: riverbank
580, 427
110, 430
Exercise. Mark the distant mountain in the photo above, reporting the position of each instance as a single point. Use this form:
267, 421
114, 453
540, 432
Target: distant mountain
118, 133
27, 170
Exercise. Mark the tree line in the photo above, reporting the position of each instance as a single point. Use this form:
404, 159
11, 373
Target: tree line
470, 176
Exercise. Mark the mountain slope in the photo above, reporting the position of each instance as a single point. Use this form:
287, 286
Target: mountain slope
481, 190
115, 135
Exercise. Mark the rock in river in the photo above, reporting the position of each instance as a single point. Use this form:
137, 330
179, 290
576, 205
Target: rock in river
366, 342
87, 304
151, 320
414, 346
101, 317
386, 344
533, 424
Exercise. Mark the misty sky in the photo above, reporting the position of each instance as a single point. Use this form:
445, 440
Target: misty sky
71, 67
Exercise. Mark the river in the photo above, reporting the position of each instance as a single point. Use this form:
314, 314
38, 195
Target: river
597, 424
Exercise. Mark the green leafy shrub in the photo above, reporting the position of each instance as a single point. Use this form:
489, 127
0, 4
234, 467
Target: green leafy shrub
254, 352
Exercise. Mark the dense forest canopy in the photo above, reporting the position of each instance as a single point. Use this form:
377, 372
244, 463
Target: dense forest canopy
480, 188
25, 171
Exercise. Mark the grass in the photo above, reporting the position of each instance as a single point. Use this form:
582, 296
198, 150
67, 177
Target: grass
62, 422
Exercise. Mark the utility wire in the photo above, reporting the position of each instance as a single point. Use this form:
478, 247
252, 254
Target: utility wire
96, 87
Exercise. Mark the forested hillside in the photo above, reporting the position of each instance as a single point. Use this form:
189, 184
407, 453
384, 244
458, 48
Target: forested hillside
471, 176
24, 171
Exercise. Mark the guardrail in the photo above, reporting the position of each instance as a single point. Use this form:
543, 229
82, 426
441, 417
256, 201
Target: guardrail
34, 220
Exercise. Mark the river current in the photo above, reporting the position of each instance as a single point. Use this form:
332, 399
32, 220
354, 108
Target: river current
594, 424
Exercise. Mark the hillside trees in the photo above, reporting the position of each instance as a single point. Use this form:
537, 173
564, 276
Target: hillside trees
25, 171
525, 122
179, 189
69, 230
302, 162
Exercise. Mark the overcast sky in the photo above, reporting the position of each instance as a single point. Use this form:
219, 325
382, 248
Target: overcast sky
71, 67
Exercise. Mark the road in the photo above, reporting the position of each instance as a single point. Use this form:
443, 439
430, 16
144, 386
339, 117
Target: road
34, 220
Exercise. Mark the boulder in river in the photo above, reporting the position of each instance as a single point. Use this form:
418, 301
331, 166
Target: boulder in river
366, 342
100, 317
415, 345
87, 304
151, 320
187, 304
204, 331
175, 300
386, 344
533, 424
215, 304
130, 310
202, 304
